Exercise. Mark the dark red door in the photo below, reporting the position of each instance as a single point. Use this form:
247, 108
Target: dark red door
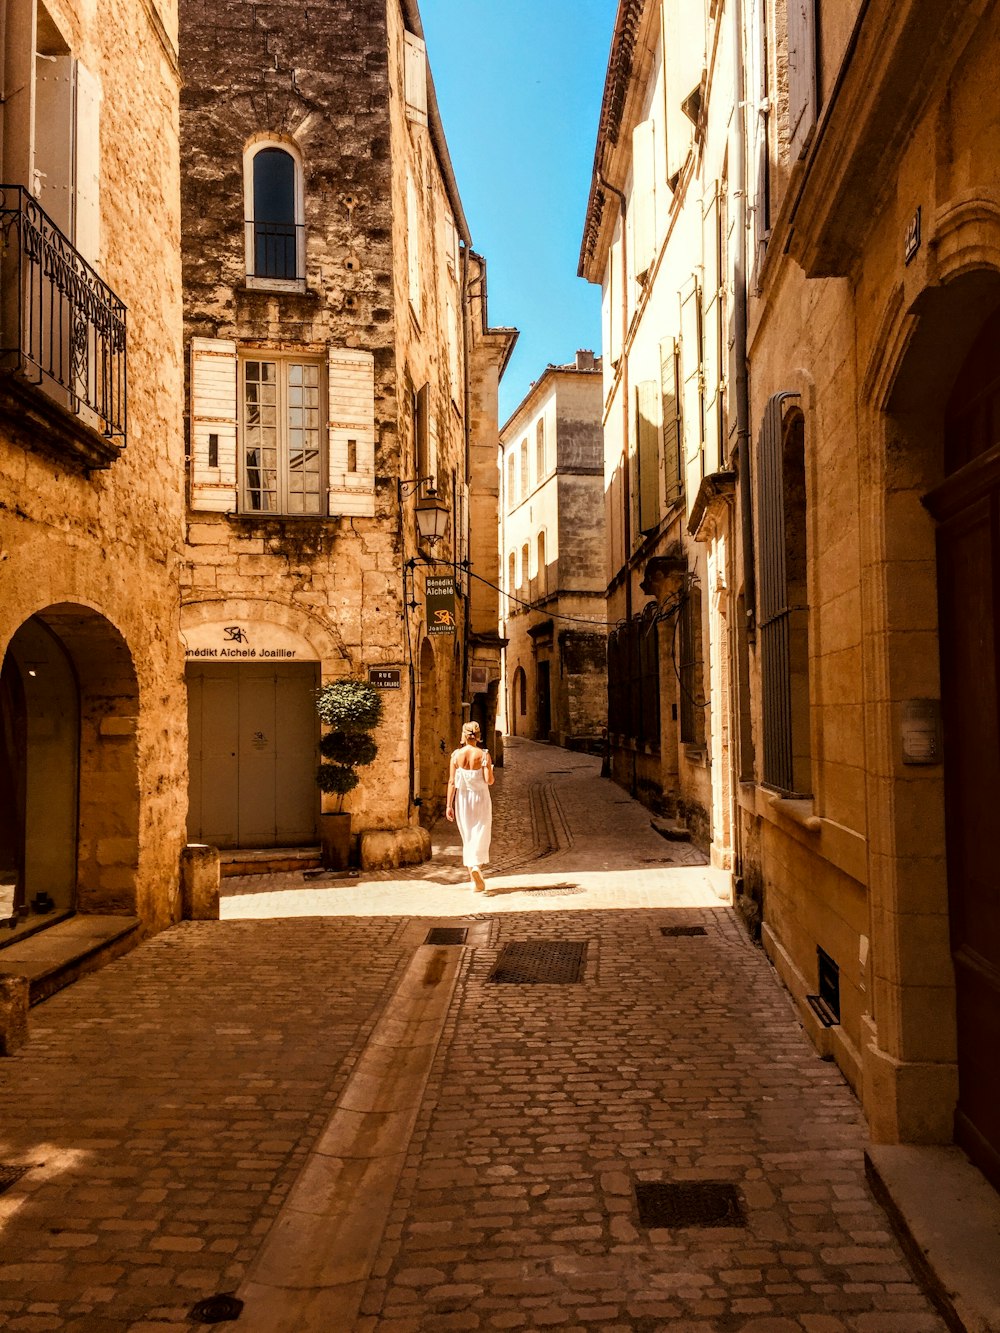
967, 506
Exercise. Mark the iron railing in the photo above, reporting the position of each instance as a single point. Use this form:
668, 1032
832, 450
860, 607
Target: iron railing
62, 328
274, 249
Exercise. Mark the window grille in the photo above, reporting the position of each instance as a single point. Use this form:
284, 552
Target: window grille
634, 681
691, 669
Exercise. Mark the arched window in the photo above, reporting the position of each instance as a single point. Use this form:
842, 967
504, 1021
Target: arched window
273, 196
540, 468
511, 485
524, 567
783, 618
511, 564
524, 468
541, 563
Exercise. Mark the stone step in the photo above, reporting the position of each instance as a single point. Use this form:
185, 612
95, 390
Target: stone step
268, 860
62, 953
671, 829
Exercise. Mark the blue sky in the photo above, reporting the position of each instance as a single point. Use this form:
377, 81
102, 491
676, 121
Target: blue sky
519, 83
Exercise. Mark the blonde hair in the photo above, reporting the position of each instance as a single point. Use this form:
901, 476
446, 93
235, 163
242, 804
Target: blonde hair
470, 729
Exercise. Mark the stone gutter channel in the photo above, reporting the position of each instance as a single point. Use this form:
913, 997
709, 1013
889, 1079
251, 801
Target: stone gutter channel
310, 1274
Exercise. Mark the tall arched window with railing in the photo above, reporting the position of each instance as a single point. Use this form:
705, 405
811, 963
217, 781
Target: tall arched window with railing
274, 211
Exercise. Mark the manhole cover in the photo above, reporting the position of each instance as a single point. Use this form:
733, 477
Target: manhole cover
9, 1175
447, 935
696, 1203
216, 1310
556, 891
540, 963
680, 932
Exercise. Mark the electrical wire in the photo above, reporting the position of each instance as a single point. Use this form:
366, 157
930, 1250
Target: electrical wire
531, 606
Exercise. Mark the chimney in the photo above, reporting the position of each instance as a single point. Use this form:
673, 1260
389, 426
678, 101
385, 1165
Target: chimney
585, 360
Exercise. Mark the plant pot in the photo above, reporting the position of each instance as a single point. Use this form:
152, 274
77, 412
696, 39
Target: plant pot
335, 836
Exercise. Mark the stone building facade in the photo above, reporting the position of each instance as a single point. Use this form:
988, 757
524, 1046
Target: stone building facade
331, 361
832, 217
657, 240
92, 764
874, 323
553, 544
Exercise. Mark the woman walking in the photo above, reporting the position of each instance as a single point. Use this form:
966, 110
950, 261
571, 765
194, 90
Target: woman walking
469, 804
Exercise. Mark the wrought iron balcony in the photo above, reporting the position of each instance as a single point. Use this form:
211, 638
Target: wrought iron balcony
62, 337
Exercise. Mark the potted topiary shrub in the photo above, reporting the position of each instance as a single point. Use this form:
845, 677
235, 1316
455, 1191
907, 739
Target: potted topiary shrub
350, 709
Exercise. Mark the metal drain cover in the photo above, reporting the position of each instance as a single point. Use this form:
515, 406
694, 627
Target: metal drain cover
556, 891
10, 1175
689, 1203
216, 1309
447, 935
540, 963
678, 932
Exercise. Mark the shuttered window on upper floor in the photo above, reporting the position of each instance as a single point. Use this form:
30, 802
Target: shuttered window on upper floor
415, 78
647, 409
279, 434
670, 417
801, 75
643, 202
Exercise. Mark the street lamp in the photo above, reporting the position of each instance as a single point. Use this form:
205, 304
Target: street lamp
431, 510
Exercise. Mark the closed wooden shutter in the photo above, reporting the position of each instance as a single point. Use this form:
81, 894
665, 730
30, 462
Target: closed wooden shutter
758, 156
691, 386
643, 209
615, 297
351, 376
454, 360
679, 77
801, 74
670, 417
214, 468
712, 332
415, 78
87, 165
413, 243
648, 436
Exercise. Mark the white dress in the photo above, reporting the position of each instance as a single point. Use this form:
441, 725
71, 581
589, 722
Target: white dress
473, 815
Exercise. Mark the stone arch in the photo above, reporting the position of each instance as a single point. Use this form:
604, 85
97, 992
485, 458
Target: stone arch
324, 639
68, 746
911, 1068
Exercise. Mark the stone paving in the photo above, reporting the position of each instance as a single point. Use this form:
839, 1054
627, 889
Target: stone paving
166, 1104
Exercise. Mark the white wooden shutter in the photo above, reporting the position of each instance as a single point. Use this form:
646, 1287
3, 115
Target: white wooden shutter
454, 362
648, 438
432, 442
464, 542
691, 385
351, 376
670, 416
413, 243
678, 82
712, 331
616, 295
643, 200
801, 74
214, 468
415, 78
87, 165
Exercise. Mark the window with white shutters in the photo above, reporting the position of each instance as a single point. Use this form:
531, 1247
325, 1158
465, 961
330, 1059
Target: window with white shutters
712, 325
413, 244
757, 126
692, 395
648, 448
643, 202
680, 76
670, 417
616, 295
801, 74
415, 78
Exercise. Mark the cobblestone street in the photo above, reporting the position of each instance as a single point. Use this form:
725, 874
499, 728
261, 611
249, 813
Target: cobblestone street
165, 1106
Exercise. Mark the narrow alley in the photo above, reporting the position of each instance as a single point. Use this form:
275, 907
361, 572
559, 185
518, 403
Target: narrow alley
163, 1125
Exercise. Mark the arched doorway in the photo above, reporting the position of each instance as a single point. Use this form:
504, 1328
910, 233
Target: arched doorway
69, 792
433, 748
967, 507
519, 703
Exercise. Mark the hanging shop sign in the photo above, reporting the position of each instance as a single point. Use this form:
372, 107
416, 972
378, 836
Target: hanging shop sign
440, 590
385, 678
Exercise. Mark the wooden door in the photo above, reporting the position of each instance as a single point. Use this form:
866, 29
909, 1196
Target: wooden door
253, 757
967, 507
